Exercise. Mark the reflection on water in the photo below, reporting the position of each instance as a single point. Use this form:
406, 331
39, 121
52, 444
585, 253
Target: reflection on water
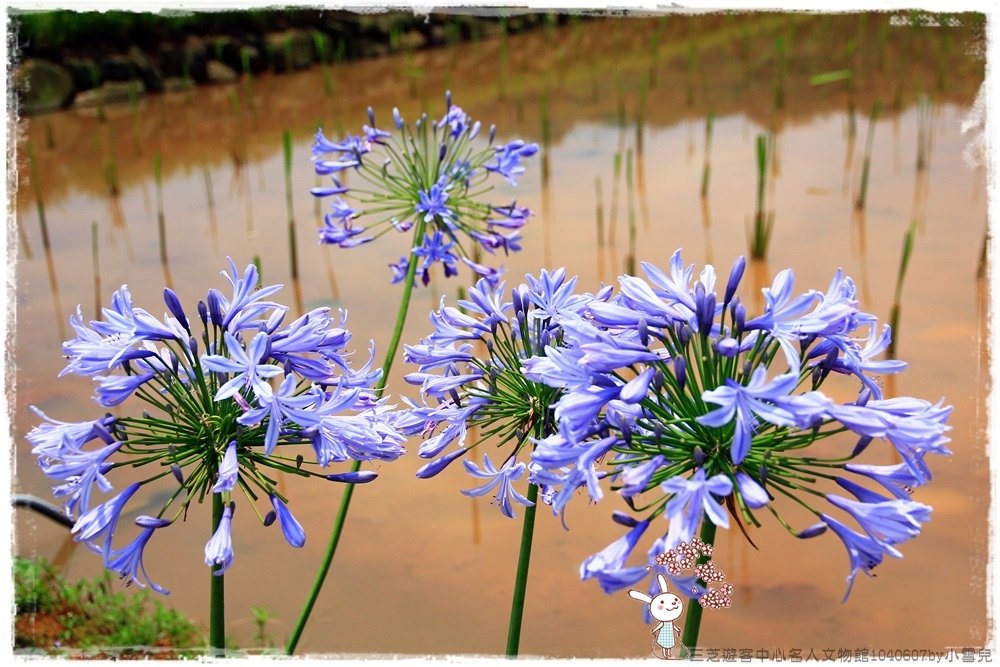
591, 82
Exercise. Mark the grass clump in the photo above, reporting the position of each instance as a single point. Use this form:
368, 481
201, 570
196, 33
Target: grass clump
53, 614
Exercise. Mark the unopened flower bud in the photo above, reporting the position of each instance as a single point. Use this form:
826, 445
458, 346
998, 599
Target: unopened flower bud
735, 275
643, 331
862, 445
177, 472
270, 517
812, 531
727, 347
360, 477
684, 334
515, 296
215, 307
656, 384
739, 317
624, 519
706, 313
174, 306
437, 465
817, 376
680, 371
699, 455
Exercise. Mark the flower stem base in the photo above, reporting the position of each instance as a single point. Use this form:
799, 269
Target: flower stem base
692, 621
521, 580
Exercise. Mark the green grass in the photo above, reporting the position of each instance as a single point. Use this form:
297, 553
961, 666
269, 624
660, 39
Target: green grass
93, 613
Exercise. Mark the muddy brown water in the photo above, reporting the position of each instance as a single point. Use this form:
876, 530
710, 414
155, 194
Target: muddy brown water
423, 569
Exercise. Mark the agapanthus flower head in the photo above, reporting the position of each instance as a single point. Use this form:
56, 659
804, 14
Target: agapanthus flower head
431, 177
221, 416
472, 380
700, 413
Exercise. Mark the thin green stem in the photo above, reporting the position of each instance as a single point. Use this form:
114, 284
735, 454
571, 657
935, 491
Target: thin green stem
692, 621
217, 613
345, 502
521, 580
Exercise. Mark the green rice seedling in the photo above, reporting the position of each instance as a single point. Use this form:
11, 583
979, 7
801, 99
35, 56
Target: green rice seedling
97, 266
599, 212
904, 263
95, 80
866, 164
322, 45
292, 250
654, 53
160, 216
39, 201
133, 105
247, 75
632, 231
261, 638
824, 78
706, 171
616, 176
763, 223
111, 177
543, 103
924, 119
689, 81
983, 254
210, 201
779, 71
234, 103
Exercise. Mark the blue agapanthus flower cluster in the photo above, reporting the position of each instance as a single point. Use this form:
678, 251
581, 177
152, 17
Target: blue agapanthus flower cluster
225, 412
471, 369
430, 178
704, 413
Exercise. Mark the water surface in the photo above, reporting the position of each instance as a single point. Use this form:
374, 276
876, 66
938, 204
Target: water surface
423, 569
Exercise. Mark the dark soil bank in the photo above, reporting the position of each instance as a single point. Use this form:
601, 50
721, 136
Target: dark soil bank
90, 58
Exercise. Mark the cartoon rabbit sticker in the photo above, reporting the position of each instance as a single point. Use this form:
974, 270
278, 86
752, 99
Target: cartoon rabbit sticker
664, 608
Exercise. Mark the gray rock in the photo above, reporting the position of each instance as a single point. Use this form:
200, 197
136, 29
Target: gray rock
289, 50
43, 86
226, 50
111, 92
253, 58
146, 69
117, 67
85, 72
195, 60
175, 84
219, 73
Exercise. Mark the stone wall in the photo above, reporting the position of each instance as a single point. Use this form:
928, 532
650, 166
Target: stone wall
89, 58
